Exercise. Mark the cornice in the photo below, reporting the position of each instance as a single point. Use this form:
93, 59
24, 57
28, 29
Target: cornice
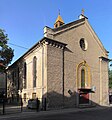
54, 43
104, 58
43, 41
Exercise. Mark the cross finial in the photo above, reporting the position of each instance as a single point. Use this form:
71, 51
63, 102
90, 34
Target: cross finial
82, 11
59, 12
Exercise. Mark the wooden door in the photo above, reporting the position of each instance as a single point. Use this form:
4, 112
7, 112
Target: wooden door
84, 98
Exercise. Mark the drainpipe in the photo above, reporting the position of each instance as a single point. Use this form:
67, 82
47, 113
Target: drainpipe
6, 84
42, 71
63, 75
100, 81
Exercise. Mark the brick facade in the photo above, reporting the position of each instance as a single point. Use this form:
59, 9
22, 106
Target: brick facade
60, 60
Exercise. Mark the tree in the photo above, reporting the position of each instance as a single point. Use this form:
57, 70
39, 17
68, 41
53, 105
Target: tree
6, 52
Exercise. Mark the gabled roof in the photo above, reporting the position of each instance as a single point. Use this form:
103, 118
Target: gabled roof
95, 36
65, 26
77, 23
43, 40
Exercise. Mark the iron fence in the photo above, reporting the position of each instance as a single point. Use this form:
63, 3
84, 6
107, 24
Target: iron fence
16, 105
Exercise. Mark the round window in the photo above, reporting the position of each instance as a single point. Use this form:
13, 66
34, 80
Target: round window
83, 44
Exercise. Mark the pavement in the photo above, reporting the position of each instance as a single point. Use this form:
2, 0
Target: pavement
25, 114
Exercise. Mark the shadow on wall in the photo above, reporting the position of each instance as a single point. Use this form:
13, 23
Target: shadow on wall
15, 76
56, 100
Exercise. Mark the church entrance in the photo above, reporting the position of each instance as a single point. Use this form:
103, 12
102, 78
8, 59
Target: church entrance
83, 98
83, 83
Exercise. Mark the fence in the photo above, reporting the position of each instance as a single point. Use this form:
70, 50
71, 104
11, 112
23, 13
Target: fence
9, 106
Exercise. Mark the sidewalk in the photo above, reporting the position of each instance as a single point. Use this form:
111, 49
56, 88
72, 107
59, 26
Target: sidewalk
50, 112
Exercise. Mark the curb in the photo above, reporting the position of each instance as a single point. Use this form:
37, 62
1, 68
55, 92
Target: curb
50, 112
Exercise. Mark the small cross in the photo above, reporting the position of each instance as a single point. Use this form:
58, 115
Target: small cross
59, 12
82, 11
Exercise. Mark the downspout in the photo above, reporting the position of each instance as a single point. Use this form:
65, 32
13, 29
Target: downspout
42, 71
100, 81
63, 75
6, 84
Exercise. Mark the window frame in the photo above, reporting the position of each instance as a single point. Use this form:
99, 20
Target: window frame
25, 75
82, 78
34, 71
83, 44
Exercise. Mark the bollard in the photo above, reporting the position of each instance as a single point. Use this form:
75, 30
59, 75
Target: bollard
21, 105
44, 104
37, 103
3, 106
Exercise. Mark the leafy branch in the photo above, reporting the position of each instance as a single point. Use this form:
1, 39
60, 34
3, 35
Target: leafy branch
6, 52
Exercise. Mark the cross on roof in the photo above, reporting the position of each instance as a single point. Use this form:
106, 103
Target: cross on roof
82, 11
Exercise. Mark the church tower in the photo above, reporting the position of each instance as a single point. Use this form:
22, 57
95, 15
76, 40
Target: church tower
59, 21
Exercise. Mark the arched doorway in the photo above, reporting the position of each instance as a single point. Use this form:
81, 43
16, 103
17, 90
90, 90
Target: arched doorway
83, 83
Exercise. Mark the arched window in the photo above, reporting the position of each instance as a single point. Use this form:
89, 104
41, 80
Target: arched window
82, 78
25, 73
34, 71
18, 77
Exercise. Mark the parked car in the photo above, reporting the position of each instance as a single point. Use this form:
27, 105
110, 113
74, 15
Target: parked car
33, 104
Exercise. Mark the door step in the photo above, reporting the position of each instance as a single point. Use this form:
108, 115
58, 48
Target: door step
86, 106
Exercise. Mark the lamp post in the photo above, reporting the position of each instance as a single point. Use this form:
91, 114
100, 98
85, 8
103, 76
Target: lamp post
2, 70
21, 102
4, 103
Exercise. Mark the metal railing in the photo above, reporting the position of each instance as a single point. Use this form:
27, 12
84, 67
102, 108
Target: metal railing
9, 106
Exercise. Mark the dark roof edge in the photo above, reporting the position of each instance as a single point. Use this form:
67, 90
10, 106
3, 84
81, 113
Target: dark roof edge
49, 39
40, 41
105, 59
69, 24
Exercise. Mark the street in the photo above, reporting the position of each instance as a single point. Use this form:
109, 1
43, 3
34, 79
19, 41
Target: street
99, 114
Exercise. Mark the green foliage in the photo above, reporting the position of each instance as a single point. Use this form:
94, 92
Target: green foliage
6, 53
110, 78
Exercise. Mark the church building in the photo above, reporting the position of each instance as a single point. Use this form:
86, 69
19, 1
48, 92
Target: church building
68, 67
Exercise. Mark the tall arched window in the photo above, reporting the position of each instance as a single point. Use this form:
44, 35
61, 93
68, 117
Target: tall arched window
82, 78
83, 75
25, 73
34, 71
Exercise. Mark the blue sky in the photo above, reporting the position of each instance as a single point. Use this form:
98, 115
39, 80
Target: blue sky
24, 20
